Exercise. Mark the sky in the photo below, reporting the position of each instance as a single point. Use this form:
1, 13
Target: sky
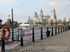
25, 8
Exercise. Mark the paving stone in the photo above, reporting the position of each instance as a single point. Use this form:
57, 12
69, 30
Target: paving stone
58, 43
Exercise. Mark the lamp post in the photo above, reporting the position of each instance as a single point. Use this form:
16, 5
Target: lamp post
12, 26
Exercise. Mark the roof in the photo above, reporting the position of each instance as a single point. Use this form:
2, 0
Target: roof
24, 25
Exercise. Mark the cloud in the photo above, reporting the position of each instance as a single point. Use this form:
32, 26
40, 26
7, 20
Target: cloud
41, 2
54, 3
5, 2
59, 2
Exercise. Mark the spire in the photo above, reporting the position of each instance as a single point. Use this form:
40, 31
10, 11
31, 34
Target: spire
41, 13
35, 14
54, 13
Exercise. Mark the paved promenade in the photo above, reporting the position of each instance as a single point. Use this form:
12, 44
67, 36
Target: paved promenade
57, 43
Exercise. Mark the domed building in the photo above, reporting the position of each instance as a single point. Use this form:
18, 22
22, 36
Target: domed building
43, 19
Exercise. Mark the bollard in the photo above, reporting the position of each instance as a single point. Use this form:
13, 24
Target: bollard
65, 28
68, 27
55, 30
52, 32
21, 38
21, 41
33, 39
58, 30
47, 33
18, 34
61, 29
41, 34
3, 45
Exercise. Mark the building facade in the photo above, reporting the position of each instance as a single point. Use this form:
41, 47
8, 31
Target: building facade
41, 19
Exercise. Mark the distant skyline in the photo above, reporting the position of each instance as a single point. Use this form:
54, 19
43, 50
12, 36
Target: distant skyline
25, 8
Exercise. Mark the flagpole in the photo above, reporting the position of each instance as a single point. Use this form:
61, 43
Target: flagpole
12, 26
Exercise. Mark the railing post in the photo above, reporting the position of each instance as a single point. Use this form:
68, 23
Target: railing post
61, 29
68, 26
58, 30
55, 30
3, 45
52, 32
21, 38
47, 32
18, 34
65, 28
41, 34
33, 39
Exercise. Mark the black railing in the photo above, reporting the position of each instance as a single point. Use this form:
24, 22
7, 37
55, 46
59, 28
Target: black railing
19, 33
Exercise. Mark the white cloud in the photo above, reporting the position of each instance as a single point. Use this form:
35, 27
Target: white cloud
4, 2
41, 2
54, 3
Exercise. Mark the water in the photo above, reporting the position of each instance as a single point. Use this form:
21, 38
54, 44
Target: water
37, 33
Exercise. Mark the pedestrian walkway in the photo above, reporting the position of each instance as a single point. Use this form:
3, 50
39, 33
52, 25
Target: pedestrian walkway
57, 43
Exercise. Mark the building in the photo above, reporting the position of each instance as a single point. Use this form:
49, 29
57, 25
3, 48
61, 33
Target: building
43, 19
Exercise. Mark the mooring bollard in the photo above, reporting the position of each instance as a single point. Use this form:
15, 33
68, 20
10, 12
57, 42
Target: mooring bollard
3, 45
55, 30
52, 32
65, 28
21, 38
21, 41
18, 34
61, 29
41, 34
58, 30
68, 27
33, 39
48, 32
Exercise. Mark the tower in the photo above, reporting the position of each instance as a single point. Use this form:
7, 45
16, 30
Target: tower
41, 16
53, 16
41, 13
35, 15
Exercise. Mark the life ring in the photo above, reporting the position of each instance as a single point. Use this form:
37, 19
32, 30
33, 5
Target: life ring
4, 29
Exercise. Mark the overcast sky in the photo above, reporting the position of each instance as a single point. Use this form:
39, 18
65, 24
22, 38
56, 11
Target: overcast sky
25, 8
